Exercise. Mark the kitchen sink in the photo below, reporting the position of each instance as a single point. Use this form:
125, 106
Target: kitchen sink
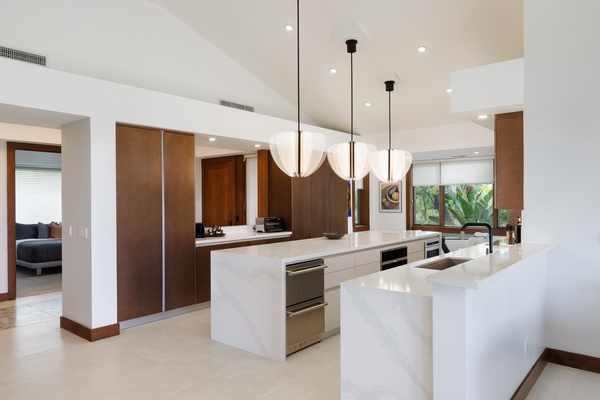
443, 263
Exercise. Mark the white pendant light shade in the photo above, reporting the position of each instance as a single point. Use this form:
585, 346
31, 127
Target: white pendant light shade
391, 165
298, 154
340, 160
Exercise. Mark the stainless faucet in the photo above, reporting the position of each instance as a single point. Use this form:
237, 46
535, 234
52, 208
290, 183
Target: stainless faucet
489, 228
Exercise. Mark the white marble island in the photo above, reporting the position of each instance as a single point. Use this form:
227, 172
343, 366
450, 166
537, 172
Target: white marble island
248, 284
468, 332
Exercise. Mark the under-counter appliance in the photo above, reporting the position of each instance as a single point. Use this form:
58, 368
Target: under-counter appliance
305, 304
391, 258
432, 248
269, 224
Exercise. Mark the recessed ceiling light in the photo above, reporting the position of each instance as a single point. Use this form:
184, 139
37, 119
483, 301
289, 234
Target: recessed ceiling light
421, 49
367, 104
257, 145
332, 70
212, 139
483, 117
449, 90
289, 28
475, 152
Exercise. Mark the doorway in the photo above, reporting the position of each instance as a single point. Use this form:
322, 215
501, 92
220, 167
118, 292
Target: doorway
12, 148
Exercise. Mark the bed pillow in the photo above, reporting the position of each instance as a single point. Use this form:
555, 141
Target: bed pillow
27, 231
43, 230
55, 231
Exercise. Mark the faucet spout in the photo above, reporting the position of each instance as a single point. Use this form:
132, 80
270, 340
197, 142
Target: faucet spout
482, 225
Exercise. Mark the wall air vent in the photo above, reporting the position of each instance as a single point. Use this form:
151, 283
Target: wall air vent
236, 105
22, 56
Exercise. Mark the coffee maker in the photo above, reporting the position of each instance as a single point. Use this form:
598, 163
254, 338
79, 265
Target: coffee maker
200, 230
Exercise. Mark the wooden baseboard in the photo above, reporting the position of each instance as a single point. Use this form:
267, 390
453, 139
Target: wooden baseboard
3, 296
532, 377
560, 357
88, 334
574, 360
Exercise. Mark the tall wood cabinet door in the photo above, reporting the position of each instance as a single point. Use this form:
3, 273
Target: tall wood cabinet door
218, 191
139, 222
318, 219
180, 242
508, 168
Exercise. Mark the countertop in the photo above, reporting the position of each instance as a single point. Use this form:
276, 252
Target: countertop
480, 270
240, 233
306, 249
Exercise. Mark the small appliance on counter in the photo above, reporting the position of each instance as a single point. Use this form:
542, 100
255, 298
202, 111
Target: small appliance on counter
269, 224
200, 230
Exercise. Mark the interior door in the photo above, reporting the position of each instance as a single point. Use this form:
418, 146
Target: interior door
218, 191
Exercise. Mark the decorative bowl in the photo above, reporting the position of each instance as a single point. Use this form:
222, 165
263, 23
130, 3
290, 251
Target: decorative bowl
334, 235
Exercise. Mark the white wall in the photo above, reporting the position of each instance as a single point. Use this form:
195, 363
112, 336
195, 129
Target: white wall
135, 43
562, 140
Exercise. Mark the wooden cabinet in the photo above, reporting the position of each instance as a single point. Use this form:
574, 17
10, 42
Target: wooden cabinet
309, 206
224, 191
152, 217
508, 168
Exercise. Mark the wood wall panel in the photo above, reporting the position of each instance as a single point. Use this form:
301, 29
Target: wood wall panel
279, 195
263, 183
139, 222
300, 208
338, 203
180, 211
508, 169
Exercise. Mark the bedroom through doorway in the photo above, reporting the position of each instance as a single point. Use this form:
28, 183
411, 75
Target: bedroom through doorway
34, 189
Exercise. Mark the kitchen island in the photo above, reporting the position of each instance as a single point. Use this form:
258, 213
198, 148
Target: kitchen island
471, 331
248, 284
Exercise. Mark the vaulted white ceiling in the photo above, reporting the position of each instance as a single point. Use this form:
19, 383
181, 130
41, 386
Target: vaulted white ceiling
458, 34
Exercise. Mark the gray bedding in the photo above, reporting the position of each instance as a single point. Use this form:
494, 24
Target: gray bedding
39, 250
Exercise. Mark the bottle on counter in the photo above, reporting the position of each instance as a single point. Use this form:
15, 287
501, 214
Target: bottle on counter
510, 234
519, 225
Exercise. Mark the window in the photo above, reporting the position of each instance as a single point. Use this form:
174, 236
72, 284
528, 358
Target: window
449, 194
38, 195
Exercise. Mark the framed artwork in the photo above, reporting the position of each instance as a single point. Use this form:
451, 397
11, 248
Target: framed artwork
390, 197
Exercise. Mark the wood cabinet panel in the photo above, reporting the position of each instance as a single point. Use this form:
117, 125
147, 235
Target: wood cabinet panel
338, 203
508, 168
139, 222
179, 196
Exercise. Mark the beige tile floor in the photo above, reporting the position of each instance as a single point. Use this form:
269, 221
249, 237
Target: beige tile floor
176, 359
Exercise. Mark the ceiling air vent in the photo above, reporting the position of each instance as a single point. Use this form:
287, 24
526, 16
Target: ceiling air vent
236, 105
22, 56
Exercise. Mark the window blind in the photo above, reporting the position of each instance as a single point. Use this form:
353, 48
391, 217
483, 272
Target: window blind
38, 195
453, 172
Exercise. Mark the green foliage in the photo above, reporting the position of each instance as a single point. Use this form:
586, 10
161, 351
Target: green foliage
427, 201
469, 203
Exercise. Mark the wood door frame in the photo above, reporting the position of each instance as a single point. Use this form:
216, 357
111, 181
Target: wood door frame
11, 206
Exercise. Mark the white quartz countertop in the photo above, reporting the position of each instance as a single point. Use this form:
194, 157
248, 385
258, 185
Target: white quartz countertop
306, 249
241, 233
479, 270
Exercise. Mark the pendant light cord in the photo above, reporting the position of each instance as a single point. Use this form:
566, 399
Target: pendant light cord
299, 134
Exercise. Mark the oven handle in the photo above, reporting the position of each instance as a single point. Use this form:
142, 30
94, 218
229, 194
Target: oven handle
305, 270
292, 314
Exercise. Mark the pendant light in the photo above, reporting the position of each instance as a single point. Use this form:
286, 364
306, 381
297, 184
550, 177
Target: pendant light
390, 165
298, 153
351, 160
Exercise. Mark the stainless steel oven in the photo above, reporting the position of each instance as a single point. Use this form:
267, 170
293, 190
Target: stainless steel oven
305, 305
394, 257
432, 248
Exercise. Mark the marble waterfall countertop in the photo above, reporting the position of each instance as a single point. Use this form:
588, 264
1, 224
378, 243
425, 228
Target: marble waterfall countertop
306, 249
387, 318
240, 233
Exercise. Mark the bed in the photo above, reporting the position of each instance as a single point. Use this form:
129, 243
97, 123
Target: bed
39, 246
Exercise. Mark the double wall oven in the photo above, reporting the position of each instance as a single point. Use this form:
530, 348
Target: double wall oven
305, 304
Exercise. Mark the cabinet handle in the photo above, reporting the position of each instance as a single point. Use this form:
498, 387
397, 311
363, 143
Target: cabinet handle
305, 270
292, 314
